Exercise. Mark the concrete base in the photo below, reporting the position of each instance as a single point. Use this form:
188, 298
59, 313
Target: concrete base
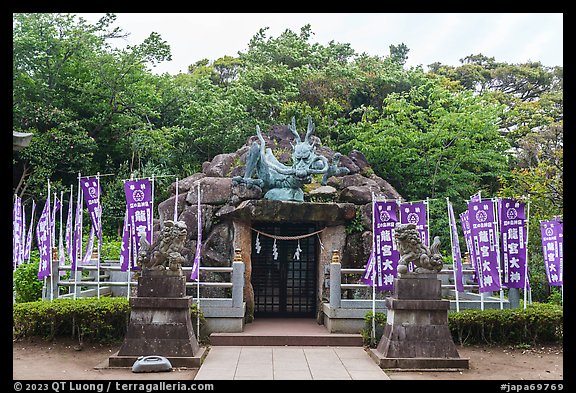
416, 335
125, 361
222, 316
224, 325
160, 322
350, 316
418, 363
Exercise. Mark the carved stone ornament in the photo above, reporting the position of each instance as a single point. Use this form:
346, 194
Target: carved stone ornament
411, 249
165, 253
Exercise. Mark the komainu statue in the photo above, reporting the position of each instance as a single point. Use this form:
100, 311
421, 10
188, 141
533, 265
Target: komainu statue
281, 182
165, 253
424, 259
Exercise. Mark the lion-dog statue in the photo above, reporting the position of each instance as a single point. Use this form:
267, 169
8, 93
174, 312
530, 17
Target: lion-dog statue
165, 253
411, 248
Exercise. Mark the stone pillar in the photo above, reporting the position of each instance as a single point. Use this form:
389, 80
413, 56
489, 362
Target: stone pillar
243, 242
335, 282
514, 297
333, 238
160, 322
416, 335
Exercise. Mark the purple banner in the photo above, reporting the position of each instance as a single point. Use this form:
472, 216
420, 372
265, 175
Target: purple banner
125, 246
28, 245
69, 226
61, 253
91, 190
415, 213
77, 238
89, 247
197, 256
44, 240
17, 233
468, 238
553, 250
456, 257
139, 212
384, 259
22, 237
57, 206
483, 230
512, 218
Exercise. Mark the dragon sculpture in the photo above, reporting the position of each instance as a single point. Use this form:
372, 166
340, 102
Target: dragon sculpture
425, 260
282, 182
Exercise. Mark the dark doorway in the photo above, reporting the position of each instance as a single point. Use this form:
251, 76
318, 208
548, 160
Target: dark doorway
284, 286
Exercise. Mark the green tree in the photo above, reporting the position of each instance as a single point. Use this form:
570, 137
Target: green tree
80, 98
433, 142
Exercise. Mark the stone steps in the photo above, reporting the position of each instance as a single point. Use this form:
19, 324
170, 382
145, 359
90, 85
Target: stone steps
285, 332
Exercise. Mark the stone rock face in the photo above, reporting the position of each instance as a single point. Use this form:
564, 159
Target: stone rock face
221, 165
184, 185
213, 190
338, 203
166, 208
359, 159
360, 194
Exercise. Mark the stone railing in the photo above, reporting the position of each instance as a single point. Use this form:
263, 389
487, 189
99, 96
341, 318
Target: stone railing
347, 315
222, 314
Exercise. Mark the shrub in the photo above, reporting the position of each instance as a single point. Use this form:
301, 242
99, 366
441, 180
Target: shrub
27, 287
88, 319
379, 323
537, 324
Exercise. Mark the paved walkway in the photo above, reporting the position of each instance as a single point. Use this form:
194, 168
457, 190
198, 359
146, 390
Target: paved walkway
287, 362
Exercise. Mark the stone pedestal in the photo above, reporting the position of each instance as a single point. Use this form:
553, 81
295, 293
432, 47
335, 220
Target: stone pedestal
416, 335
160, 323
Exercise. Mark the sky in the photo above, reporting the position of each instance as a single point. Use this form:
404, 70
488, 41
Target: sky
431, 37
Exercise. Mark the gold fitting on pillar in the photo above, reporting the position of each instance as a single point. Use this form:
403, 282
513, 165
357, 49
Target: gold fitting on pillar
237, 255
335, 256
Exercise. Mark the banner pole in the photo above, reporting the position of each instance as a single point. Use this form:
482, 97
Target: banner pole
526, 248
497, 245
14, 264
99, 235
53, 234
453, 256
152, 213
129, 258
78, 206
176, 203
60, 245
44, 294
373, 335
427, 222
198, 277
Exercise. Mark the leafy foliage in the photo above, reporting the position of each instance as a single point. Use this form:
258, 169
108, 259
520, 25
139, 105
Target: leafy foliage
90, 319
27, 287
87, 319
538, 323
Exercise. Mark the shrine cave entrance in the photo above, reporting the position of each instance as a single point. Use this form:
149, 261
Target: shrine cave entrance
284, 278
